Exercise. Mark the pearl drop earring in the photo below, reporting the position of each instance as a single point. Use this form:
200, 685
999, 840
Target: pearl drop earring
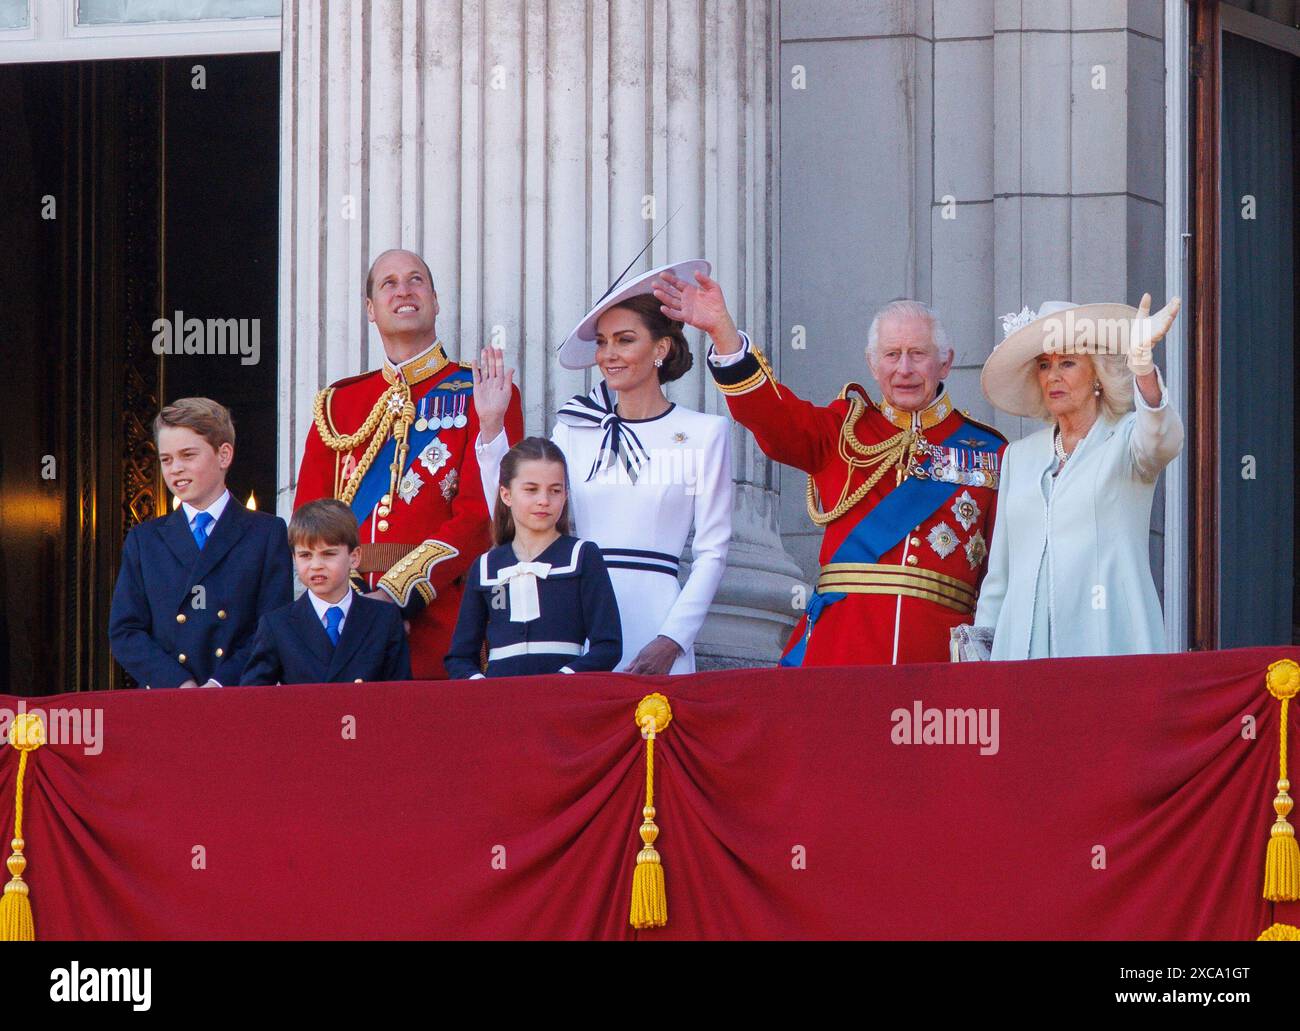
1096, 389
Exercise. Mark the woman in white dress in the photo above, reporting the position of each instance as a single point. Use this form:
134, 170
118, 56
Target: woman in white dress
1068, 568
645, 470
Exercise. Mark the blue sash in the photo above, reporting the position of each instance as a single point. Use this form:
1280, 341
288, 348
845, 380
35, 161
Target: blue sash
888, 522
374, 485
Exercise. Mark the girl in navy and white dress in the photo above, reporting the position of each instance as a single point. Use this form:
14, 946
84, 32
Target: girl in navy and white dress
541, 599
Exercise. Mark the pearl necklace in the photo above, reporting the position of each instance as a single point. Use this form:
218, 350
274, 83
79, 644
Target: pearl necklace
1058, 446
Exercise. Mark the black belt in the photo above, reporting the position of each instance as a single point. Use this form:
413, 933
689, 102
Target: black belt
650, 561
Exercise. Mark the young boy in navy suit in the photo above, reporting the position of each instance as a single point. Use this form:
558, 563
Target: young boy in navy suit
194, 583
331, 634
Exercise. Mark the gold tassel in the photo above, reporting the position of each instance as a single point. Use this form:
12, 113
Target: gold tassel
649, 897
1282, 865
1280, 933
26, 733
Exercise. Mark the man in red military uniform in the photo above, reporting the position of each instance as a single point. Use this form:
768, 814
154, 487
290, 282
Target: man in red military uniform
397, 444
905, 490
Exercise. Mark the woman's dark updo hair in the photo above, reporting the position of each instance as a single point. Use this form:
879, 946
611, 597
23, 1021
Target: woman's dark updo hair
679, 360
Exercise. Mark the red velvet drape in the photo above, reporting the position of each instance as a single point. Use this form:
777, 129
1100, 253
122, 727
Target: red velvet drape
509, 809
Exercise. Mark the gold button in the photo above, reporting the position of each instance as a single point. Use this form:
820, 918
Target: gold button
384, 510
916, 542
383, 526
911, 560
220, 652
180, 657
221, 613
387, 499
357, 681
180, 617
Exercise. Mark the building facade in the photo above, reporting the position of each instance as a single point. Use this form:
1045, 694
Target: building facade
827, 156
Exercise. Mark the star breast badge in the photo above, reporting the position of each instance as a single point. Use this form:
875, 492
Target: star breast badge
966, 510
943, 539
448, 484
976, 549
409, 486
435, 455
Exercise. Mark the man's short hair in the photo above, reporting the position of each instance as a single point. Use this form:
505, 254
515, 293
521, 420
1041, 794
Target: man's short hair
209, 419
370, 276
907, 308
324, 522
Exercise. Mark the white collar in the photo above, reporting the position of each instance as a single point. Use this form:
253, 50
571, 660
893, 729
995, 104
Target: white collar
215, 509
322, 606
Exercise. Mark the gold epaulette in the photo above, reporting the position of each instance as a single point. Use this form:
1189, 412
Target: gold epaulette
860, 390
983, 425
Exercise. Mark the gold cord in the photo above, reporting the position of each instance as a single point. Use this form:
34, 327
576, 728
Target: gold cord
896, 452
375, 429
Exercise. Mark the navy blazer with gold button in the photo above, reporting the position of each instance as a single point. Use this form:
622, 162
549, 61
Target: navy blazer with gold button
180, 613
292, 646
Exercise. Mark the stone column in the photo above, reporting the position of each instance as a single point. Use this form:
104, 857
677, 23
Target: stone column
529, 150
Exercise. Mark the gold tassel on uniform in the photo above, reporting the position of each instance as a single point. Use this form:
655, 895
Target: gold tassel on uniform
1280, 933
26, 733
1282, 865
649, 899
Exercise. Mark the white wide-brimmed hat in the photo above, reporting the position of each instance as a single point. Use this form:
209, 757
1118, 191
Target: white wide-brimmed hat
1010, 377
579, 348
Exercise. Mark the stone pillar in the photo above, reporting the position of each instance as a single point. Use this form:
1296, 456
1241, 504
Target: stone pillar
529, 150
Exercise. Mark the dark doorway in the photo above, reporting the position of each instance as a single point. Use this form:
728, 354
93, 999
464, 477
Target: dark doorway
1257, 354
133, 190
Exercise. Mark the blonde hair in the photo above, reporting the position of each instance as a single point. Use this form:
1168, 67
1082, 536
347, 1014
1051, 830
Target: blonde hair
1112, 372
209, 419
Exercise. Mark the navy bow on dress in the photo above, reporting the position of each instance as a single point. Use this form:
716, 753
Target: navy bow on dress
620, 444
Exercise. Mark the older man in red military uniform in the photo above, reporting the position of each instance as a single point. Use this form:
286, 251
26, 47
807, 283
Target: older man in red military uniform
905, 489
397, 444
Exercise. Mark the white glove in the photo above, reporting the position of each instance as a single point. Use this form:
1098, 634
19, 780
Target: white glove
1149, 330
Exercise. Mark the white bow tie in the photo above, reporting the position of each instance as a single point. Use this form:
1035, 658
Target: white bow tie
522, 577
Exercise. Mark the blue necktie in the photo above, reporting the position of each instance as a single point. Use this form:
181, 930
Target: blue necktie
333, 617
201, 523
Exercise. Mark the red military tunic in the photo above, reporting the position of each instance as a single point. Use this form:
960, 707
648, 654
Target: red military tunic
422, 525
901, 606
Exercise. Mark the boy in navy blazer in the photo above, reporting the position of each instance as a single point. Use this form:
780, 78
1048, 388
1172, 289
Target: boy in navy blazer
331, 634
194, 583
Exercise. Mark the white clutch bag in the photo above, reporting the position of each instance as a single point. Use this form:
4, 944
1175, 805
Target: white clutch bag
968, 643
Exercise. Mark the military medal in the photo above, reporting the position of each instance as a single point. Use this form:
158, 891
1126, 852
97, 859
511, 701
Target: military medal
447, 420
422, 423
966, 510
461, 419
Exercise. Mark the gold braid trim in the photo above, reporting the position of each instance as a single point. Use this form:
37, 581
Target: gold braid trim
412, 572
376, 428
892, 452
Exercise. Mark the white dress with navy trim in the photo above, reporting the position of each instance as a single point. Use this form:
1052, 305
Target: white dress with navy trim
638, 487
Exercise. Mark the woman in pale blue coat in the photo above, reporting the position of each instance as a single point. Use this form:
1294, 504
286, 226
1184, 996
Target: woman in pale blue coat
1069, 572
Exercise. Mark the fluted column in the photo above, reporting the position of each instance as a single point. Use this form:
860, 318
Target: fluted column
520, 145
